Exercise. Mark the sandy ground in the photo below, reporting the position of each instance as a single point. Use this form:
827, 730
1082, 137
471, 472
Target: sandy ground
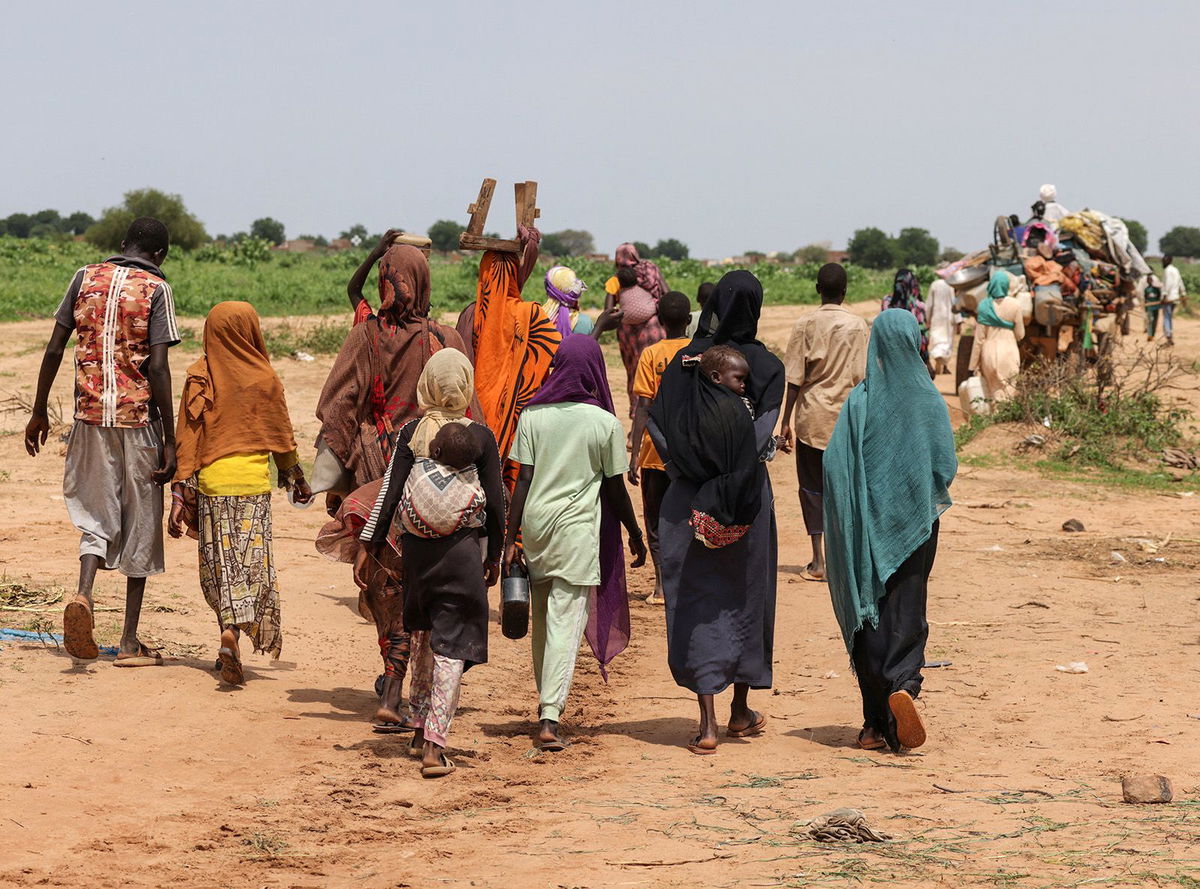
161, 776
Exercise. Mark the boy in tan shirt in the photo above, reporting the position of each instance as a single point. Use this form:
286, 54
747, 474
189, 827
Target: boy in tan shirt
826, 358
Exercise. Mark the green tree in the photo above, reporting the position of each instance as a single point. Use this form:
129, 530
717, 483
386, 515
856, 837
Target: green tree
444, 234
915, 246
643, 249
1137, 235
1182, 240
950, 254
568, 242
77, 223
18, 225
355, 231
671, 248
872, 249
811, 254
268, 229
186, 230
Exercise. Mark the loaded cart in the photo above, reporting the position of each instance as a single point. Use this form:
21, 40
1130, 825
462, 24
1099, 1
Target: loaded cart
1075, 278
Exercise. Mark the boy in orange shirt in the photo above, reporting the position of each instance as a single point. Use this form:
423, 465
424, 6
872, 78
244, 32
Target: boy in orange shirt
674, 312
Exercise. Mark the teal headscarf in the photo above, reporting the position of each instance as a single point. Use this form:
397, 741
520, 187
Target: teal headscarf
888, 471
997, 289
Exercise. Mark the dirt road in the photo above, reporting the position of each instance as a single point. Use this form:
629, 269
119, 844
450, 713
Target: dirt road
161, 776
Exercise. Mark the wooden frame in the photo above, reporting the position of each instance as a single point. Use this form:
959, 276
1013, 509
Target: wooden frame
526, 212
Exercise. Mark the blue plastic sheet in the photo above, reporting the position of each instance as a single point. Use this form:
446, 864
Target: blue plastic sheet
34, 636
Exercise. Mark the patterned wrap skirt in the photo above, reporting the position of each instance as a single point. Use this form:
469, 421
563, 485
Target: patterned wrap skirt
237, 571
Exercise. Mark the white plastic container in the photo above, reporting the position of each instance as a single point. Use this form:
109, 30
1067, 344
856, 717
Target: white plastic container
972, 398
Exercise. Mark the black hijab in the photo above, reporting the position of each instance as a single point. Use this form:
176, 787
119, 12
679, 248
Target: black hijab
737, 304
709, 434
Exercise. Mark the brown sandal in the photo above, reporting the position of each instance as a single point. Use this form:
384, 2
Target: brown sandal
910, 728
756, 728
145, 657
878, 744
77, 630
694, 747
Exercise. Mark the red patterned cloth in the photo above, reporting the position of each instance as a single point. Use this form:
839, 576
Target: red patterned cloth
712, 533
118, 309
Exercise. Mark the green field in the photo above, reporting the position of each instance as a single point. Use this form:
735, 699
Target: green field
34, 274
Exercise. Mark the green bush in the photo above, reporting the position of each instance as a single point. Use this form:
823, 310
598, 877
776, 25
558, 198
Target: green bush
1101, 417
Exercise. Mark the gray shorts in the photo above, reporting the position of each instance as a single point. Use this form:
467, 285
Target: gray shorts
113, 500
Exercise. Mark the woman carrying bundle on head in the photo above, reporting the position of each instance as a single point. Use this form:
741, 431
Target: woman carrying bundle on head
717, 521
888, 471
370, 393
440, 495
232, 418
513, 343
635, 291
563, 290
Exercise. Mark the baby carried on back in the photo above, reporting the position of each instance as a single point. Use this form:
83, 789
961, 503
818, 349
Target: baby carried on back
443, 493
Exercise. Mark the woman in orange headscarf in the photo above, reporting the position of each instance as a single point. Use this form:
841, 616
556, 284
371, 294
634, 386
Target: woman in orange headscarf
232, 418
514, 342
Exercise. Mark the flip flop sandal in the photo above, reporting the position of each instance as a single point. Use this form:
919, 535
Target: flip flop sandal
805, 574
441, 771
416, 747
77, 631
231, 667
553, 746
877, 744
694, 747
910, 728
391, 728
146, 657
749, 731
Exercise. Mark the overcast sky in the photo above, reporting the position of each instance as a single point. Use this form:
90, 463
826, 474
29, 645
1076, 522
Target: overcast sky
732, 126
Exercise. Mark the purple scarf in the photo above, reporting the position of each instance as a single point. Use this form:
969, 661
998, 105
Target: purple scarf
578, 374
567, 303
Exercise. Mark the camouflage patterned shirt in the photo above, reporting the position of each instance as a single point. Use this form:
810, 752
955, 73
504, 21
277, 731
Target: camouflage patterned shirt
118, 309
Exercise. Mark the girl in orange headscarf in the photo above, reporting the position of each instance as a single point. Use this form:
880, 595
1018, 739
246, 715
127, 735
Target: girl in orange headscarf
232, 418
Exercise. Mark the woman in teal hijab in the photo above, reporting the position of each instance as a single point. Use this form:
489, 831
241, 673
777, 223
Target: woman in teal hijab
996, 355
888, 470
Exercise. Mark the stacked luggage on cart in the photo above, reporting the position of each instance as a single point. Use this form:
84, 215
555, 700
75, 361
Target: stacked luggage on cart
1109, 269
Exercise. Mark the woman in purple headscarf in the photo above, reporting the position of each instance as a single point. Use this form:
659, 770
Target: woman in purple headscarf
570, 490
563, 289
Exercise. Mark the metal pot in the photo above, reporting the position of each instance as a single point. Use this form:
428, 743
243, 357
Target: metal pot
514, 602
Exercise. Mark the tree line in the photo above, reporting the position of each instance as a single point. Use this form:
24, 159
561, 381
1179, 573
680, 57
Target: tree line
869, 247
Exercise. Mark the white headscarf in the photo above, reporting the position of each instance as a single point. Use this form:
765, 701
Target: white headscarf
444, 393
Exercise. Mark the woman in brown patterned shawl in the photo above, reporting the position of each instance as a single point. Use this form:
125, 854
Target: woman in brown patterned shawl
370, 393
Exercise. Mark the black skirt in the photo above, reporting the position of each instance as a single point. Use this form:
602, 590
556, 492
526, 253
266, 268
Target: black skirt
445, 594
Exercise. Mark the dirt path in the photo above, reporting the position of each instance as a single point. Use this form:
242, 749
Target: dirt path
155, 777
